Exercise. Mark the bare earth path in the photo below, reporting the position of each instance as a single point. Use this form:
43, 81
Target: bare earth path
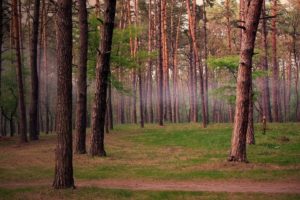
198, 186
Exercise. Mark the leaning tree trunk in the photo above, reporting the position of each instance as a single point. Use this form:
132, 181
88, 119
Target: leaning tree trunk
33, 113
63, 154
22, 108
81, 82
238, 141
102, 72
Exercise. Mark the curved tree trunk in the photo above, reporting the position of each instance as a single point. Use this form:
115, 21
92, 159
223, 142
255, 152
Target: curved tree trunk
238, 141
81, 107
102, 72
63, 154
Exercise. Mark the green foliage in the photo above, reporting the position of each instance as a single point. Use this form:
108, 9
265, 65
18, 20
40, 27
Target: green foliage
120, 56
229, 63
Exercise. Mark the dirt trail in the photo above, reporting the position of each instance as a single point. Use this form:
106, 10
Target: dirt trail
209, 186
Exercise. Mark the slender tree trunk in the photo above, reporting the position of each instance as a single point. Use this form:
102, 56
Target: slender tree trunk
33, 113
102, 72
289, 84
22, 108
134, 113
275, 83
81, 108
265, 90
191, 82
227, 6
141, 98
205, 62
165, 57
45, 65
175, 72
63, 154
160, 68
150, 82
238, 141
110, 110
121, 99
196, 54
250, 129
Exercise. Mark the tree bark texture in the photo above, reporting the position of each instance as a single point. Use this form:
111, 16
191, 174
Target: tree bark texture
102, 72
238, 141
63, 153
81, 107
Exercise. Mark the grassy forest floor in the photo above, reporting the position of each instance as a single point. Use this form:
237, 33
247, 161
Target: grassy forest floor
180, 153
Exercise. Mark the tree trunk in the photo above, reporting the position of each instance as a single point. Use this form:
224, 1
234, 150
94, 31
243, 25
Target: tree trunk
33, 113
289, 84
1, 41
238, 141
197, 58
250, 129
45, 65
102, 72
160, 68
63, 153
275, 83
3, 121
110, 110
81, 108
134, 96
175, 72
265, 88
22, 108
205, 62
141, 98
228, 25
150, 80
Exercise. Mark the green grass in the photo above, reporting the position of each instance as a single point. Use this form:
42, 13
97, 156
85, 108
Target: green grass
118, 194
172, 152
